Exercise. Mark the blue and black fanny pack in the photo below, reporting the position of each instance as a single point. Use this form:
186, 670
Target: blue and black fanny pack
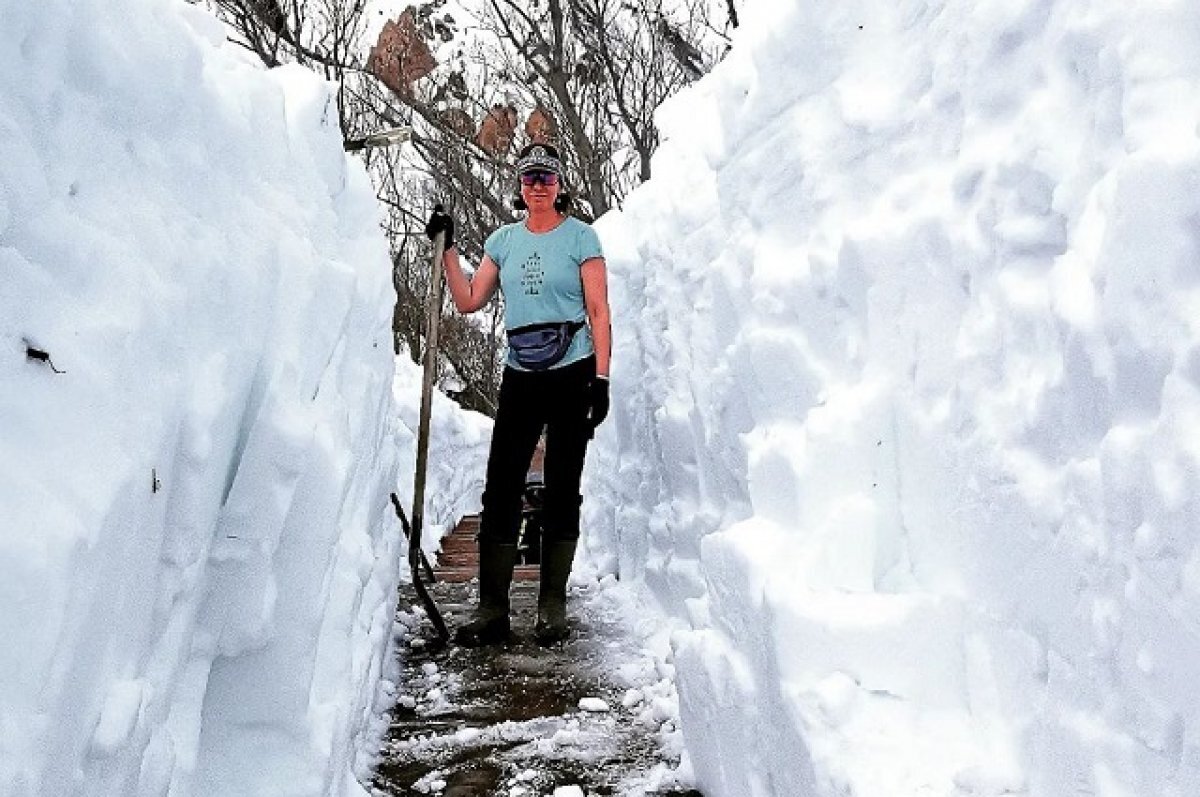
540, 346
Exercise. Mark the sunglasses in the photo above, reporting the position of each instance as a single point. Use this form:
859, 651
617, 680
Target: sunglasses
545, 178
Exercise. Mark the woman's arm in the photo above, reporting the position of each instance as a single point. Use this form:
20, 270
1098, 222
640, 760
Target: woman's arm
470, 293
595, 297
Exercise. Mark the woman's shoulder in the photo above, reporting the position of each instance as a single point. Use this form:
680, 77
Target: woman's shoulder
577, 229
575, 224
498, 239
505, 230
584, 237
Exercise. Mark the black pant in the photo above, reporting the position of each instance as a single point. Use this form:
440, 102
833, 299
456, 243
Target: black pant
559, 401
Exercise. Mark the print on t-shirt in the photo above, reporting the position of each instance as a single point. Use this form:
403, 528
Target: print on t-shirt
533, 275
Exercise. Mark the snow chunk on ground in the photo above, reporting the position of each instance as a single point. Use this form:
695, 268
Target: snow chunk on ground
595, 705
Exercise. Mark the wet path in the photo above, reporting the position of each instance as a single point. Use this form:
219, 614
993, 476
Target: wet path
520, 720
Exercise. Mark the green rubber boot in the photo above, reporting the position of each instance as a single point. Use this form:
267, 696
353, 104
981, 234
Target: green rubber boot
490, 626
552, 595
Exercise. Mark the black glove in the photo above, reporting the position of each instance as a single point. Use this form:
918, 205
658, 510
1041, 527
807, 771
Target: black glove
440, 221
599, 391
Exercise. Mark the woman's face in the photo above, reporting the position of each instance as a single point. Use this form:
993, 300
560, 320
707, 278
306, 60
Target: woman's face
539, 189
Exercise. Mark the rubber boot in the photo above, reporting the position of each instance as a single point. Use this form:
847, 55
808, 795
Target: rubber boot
551, 625
490, 626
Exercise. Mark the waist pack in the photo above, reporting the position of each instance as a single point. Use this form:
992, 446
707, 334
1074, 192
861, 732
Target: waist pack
539, 346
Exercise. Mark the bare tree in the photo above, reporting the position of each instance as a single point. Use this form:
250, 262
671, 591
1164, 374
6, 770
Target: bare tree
585, 75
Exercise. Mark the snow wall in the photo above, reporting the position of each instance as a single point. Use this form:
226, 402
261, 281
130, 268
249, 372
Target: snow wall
198, 559
907, 400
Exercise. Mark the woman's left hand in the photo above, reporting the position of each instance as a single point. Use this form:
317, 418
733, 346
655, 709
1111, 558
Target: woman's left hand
599, 390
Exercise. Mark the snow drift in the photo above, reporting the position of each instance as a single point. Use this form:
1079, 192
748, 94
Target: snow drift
198, 559
907, 400
458, 450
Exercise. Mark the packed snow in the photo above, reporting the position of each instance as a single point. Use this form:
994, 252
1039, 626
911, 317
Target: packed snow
906, 400
198, 556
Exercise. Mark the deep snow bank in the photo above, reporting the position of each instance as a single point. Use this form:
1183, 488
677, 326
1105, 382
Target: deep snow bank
907, 400
458, 449
198, 560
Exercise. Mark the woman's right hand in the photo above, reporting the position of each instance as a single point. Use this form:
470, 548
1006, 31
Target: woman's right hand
440, 221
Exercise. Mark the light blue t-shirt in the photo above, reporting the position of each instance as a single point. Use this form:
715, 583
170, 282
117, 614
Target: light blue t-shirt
540, 278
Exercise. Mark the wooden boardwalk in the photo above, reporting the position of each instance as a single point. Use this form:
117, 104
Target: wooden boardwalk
458, 560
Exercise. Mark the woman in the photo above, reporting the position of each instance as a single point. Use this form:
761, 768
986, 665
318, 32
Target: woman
550, 269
